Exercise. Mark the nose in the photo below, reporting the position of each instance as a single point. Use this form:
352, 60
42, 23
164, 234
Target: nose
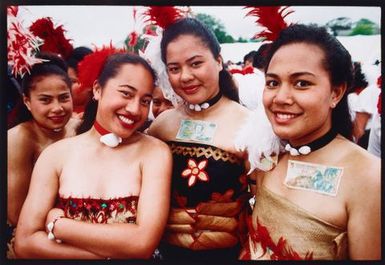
57, 107
133, 107
186, 75
283, 95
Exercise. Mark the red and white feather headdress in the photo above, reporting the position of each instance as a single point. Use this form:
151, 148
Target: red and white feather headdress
22, 45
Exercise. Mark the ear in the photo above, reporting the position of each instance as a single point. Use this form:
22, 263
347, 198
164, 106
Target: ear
96, 90
337, 94
220, 62
27, 102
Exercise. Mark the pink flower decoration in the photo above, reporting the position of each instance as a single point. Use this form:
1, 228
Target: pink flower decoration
195, 171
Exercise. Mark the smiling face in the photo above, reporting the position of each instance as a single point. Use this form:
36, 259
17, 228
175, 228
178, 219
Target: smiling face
192, 69
49, 102
298, 96
124, 101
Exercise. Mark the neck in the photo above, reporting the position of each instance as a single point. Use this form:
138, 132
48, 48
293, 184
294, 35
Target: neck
312, 146
47, 132
206, 104
204, 112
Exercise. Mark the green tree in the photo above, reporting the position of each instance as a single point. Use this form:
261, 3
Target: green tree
339, 24
216, 26
365, 27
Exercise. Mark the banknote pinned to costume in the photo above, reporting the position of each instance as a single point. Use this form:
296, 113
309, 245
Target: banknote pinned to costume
313, 177
196, 131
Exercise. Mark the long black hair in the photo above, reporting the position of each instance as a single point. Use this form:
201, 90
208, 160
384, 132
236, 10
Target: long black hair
54, 65
192, 26
337, 62
109, 70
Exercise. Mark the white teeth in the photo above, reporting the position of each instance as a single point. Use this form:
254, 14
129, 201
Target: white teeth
125, 120
283, 116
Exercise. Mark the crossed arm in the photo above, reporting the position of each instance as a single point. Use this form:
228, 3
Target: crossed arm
94, 241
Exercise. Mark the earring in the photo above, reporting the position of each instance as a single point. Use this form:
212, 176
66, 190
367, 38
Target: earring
333, 105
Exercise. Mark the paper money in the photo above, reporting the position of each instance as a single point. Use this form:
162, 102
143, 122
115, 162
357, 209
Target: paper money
313, 177
196, 131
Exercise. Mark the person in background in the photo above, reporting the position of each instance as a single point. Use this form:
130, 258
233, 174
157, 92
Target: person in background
159, 102
103, 194
365, 107
322, 200
374, 145
42, 119
80, 95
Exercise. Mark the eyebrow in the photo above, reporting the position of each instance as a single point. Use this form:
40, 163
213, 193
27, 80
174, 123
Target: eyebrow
188, 60
136, 90
292, 75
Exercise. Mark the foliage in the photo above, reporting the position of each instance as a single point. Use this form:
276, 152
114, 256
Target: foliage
216, 26
365, 27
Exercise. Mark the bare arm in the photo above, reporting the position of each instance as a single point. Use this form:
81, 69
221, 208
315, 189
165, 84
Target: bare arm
20, 164
130, 240
364, 224
359, 124
31, 238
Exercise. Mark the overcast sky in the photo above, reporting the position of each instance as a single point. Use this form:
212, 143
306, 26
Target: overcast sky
87, 25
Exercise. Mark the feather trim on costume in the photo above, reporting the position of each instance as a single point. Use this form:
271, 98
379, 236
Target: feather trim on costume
153, 55
54, 39
89, 68
21, 44
270, 17
257, 138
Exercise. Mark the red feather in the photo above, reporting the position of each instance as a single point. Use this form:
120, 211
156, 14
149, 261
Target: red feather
54, 39
270, 17
133, 38
163, 16
89, 68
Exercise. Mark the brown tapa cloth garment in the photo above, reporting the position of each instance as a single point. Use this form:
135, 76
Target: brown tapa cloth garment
287, 231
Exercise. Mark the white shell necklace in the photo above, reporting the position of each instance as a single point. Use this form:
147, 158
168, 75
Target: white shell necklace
108, 138
312, 146
206, 104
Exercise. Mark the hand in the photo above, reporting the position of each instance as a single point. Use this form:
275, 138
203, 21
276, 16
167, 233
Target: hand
53, 214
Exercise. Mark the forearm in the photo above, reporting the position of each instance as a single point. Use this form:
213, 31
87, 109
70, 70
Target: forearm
38, 246
107, 240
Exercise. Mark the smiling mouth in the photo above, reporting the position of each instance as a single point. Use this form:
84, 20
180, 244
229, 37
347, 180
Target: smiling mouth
283, 117
190, 89
126, 120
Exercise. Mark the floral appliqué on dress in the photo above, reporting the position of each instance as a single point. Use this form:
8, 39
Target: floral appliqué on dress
195, 171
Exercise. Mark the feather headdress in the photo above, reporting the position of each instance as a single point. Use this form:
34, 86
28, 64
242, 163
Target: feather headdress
162, 16
21, 44
89, 68
270, 17
54, 39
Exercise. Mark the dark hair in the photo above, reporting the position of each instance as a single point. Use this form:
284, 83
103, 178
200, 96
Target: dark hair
260, 56
109, 70
249, 57
77, 55
54, 65
337, 62
192, 26
359, 79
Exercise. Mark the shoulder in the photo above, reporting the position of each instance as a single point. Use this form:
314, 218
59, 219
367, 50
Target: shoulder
163, 125
362, 169
21, 135
150, 144
61, 148
72, 125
